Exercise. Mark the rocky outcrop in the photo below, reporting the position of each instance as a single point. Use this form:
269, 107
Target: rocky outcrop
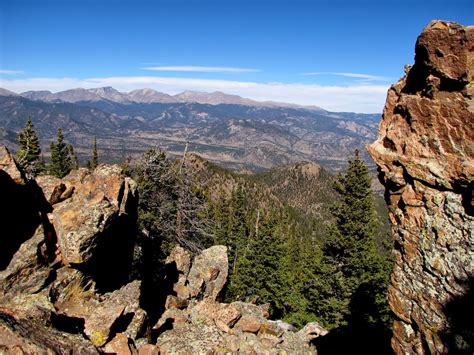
67, 283
68, 241
425, 151
198, 322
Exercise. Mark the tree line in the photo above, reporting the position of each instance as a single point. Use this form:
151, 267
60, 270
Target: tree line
63, 157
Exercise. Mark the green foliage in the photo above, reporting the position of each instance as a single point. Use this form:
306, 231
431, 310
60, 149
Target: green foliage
232, 227
306, 268
28, 155
259, 261
95, 155
61, 162
74, 158
353, 265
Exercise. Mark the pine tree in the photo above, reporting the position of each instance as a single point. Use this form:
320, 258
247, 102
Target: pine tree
95, 156
353, 265
28, 156
258, 271
61, 163
302, 269
74, 158
236, 232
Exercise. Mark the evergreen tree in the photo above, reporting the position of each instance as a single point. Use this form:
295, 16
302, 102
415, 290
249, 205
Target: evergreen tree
302, 265
61, 163
356, 274
95, 156
236, 231
258, 269
74, 158
28, 156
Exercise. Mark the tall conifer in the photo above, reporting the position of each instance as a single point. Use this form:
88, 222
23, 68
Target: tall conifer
353, 264
95, 155
60, 164
28, 156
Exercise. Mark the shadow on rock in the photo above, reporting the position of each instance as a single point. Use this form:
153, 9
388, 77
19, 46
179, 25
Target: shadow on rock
23, 208
459, 335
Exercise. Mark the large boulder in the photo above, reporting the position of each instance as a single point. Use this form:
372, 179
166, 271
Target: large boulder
99, 199
94, 218
425, 154
208, 273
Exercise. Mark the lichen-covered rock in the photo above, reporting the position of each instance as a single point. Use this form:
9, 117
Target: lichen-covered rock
83, 221
207, 326
208, 273
312, 331
64, 286
188, 338
179, 262
28, 335
129, 296
149, 349
249, 323
98, 323
120, 344
425, 154
28, 271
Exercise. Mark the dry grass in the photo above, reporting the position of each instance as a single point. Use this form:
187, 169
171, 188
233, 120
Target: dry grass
78, 290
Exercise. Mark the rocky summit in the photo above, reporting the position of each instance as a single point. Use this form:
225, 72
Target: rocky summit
68, 278
425, 151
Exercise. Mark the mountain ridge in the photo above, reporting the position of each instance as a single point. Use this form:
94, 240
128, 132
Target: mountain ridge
147, 95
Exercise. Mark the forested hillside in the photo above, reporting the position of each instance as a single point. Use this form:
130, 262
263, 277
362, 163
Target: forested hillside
290, 239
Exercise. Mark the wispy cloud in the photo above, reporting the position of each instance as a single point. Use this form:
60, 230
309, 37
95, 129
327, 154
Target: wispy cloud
366, 77
360, 97
191, 68
10, 72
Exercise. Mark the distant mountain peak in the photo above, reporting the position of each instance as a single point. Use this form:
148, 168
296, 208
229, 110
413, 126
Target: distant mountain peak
214, 98
5, 92
109, 93
148, 95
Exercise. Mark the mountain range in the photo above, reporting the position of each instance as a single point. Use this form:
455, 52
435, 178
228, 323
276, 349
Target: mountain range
148, 96
236, 132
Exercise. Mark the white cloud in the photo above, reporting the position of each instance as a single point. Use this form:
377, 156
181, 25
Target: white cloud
366, 77
10, 72
190, 68
361, 97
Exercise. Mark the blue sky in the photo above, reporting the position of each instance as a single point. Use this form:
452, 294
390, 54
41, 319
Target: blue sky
340, 55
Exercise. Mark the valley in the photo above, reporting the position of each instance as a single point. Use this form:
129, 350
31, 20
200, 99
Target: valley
231, 131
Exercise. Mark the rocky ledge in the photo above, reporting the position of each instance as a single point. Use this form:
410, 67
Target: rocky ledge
425, 151
68, 278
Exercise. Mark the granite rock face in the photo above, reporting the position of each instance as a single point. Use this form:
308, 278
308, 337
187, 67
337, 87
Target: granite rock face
425, 154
